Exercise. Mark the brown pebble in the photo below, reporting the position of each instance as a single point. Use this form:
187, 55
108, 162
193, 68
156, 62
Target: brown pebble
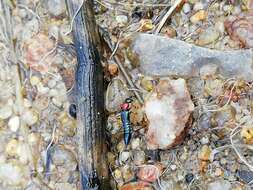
198, 16
113, 69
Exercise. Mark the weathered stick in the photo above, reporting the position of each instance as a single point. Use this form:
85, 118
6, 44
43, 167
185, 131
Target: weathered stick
166, 16
89, 95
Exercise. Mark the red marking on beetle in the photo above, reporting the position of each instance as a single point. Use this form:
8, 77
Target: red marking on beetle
125, 106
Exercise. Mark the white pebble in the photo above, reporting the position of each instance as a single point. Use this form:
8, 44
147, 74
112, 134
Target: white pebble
173, 167
219, 26
124, 156
54, 31
5, 112
186, 8
57, 102
219, 185
27, 103
204, 140
56, 7
42, 89
22, 13
121, 19
30, 117
198, 6
33, 138
11, 174
53, 93
14, 123
135, 143
11, 147
34, 80
51, 83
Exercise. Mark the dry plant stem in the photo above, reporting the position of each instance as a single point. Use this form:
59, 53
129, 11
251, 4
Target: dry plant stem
116, 46
48, 54
166, 16
221, 108
52, 138
137, 4
31, 11
129, 81
109, 6
242, 158
123, 70
73, 18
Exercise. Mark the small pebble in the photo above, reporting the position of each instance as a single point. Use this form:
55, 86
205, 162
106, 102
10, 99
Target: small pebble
53, 31
173, 167
34, 80
57, 102
120, 146
42, 89
53, 92
33, 138
186, 8
198, 16
149, 173
117, 174
11, 147
198, 6
127, 173
52, 83
219, 26
113, 69
146, 25
124, 156
72, 110
56, 7
5, 112
121, 20
223, 161
135, 143
138, 157
14, 123
41, 103
219, 185
218, 172
189, 177
27, 103
204, 153
147, 84
204, 140
137, 186
169, 31
30, 117
245, 176
208, 36
12, 174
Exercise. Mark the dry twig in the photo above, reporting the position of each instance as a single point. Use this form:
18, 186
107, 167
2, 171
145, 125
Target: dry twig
166, 16
234, 132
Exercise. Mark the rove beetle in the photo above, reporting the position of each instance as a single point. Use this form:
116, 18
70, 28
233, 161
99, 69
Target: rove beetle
125, 118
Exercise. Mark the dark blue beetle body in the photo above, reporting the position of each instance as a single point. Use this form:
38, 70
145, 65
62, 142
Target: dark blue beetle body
126, 125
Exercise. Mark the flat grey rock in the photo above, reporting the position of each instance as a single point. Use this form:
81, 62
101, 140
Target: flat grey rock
161, 56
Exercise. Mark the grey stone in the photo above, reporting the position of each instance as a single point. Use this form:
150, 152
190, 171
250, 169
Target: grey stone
162, 56
219, 185
245, 176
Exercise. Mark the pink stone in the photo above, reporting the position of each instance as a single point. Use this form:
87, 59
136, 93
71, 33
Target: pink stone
169, 112
37, 52
149, 173
240, 29
137, 186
